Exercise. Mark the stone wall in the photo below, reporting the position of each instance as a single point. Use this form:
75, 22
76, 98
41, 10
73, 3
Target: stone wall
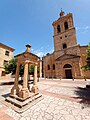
4, 57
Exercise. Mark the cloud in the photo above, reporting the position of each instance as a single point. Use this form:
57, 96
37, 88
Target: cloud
32, 49
51, 51
87, 27
42, 51
39, 54
83, 28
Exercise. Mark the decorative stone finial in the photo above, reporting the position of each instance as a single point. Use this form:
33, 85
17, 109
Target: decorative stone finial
28, 46
62, 13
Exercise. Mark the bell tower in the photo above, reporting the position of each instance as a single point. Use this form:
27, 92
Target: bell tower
64, 32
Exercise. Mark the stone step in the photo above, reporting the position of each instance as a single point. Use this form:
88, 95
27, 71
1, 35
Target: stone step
88, 86
20, 103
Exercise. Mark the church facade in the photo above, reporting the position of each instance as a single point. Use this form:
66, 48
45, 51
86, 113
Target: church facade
68, 57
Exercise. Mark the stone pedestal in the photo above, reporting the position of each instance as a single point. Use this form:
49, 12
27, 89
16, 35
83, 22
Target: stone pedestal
15, 90
35, 89
21, 104
24, 93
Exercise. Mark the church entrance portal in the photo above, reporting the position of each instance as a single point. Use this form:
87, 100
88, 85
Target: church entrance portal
68, 74
68, 71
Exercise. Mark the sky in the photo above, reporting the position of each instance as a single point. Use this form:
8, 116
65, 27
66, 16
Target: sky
30, 21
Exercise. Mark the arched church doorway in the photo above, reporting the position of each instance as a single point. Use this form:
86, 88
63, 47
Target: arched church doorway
68, 71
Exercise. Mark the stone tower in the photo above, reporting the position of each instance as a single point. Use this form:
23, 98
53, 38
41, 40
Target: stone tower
64, 32
68, 57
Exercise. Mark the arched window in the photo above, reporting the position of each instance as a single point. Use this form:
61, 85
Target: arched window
58, 29
64, 45
53, 66
67, 66
66, 25
48, 67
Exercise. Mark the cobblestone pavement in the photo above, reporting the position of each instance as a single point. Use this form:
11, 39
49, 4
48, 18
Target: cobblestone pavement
63, 100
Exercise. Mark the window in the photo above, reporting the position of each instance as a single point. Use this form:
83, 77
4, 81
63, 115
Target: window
58, 29
64, 46
5, 62
3, 73
66, 25
53, 66
65, 36
48, 67
60, 37
7, 53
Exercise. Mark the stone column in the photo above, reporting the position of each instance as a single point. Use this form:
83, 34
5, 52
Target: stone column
73, 70
40, 68
80, 69
44, 72
60, 69
28, 78
35, 87
25, 76
24, 93
15, 89
78, 72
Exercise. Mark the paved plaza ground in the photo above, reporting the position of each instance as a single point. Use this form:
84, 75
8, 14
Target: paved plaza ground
62, 100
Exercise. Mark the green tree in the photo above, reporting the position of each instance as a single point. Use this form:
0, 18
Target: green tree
21, 72
38, 71
31, 70
87, 66
11, 66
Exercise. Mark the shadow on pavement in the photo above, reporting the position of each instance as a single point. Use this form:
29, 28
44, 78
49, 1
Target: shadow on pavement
6, 95
84, 95
7, 83
12, 82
